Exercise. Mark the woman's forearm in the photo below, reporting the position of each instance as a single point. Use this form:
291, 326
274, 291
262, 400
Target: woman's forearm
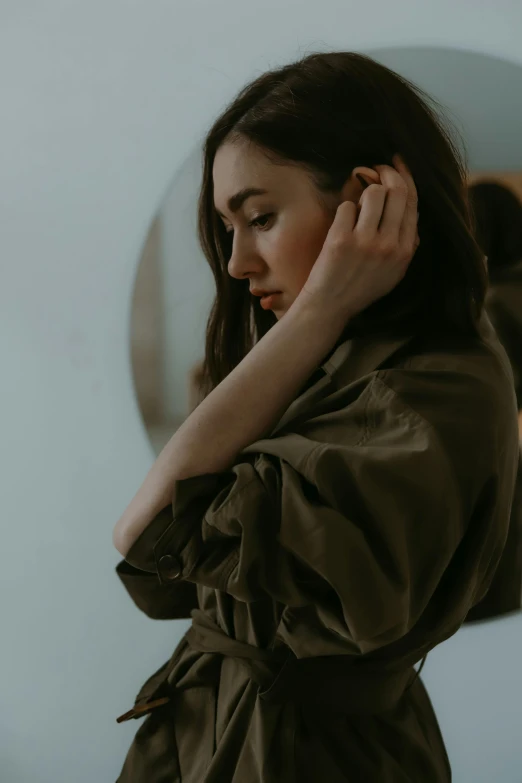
253, 397
244, 406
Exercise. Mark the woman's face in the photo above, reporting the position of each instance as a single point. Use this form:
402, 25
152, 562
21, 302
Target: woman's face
278, 234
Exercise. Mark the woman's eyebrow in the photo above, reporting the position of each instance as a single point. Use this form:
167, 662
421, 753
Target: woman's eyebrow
239, 198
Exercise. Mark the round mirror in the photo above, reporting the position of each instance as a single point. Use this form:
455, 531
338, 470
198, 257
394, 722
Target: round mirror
480, 95
173, 294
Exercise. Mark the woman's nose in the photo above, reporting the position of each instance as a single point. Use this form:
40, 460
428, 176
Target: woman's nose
242, 264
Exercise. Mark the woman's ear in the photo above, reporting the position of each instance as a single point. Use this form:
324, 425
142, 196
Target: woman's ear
370, 176
358, 181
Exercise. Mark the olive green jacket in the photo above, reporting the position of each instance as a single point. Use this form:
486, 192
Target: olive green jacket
332, 557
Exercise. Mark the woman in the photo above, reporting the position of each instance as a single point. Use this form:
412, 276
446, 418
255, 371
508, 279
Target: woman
497, 217
339, 499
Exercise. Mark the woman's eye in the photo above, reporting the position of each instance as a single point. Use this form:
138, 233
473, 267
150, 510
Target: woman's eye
260, 219
256, 221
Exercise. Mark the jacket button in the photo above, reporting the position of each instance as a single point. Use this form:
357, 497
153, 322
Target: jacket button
169, 567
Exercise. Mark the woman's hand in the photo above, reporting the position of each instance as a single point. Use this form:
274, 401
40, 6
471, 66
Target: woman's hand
369, 246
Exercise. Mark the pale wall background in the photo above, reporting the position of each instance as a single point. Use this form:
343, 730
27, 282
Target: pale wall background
101, 104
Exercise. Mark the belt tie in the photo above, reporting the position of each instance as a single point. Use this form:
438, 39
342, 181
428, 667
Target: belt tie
341, 683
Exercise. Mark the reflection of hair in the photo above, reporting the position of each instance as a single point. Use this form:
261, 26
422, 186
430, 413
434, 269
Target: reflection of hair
497, 213
329, 113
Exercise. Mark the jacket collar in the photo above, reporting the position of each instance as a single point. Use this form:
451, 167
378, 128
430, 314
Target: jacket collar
349, 361
353, 359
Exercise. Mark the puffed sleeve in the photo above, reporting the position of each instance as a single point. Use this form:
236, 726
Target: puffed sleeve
172, 601
362, 512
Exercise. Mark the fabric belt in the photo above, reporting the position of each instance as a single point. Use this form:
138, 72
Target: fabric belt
340, 683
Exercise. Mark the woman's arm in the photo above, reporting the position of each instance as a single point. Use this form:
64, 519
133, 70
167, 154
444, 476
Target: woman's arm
364, 256
194, 385
246, 404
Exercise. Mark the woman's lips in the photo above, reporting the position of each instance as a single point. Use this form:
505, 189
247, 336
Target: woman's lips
267, 301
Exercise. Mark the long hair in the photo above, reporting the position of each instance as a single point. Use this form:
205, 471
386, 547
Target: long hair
328, 113
497, 216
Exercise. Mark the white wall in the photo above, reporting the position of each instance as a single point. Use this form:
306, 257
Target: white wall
101, 103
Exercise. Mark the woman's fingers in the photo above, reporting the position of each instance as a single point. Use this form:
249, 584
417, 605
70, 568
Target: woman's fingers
388, 214
372, 204
408, 232
395, 204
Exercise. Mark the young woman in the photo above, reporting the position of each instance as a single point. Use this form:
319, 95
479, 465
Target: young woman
339, 499
497, 217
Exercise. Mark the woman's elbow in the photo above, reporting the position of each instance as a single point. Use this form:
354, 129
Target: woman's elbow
121, 540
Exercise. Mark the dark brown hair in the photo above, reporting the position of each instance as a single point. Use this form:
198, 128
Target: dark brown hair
328, 113
497, 215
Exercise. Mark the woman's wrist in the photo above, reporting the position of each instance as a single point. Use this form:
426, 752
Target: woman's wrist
332, 317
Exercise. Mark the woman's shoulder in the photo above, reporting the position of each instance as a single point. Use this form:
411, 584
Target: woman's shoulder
477, 360
455, 384
509, 276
